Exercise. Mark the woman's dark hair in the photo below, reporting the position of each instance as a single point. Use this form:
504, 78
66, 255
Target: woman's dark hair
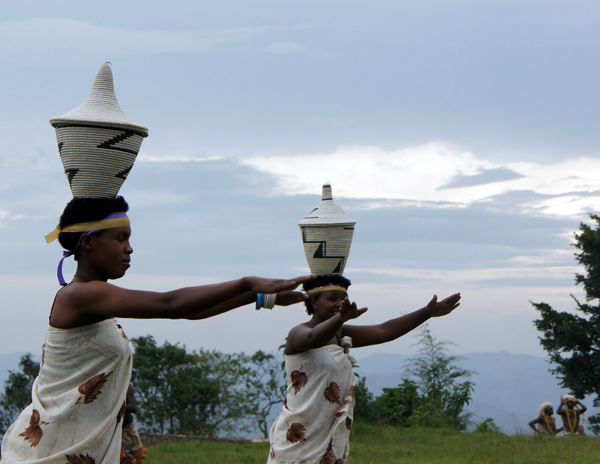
323, 280
86, 210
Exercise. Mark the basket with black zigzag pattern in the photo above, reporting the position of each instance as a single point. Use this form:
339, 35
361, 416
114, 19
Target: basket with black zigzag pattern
97, 141
327, 235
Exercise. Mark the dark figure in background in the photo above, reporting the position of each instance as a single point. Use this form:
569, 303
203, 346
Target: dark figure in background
570, 415
132, 450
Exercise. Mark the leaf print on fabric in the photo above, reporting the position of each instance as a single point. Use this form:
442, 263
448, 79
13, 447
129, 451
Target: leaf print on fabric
43, 353
299, 380
342, 408
34, 433
340, 461
81, 459
348, 423
92, 388
332, 393
351, 390
272, 454
328, 457
296, 433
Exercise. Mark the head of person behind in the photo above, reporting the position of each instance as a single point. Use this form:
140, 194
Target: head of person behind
546, 409
570, 401
326, 303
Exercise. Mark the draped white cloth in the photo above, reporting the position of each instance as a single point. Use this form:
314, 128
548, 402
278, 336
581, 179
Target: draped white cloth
77, 399
314, 424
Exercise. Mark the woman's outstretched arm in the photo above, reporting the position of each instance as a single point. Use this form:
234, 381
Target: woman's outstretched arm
97, 298
390, 330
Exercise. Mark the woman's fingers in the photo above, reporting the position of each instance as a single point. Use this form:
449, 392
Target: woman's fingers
313, 293
292, 284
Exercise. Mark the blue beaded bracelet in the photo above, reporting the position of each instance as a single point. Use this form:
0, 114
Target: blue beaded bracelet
259, 299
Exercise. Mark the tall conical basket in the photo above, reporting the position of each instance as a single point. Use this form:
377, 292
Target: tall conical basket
97, 141
327, 235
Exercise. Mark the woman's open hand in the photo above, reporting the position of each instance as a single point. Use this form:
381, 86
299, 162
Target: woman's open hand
446, 306
289, 297
350, 311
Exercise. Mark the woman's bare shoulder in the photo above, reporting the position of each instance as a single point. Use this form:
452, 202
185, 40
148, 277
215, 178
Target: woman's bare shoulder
299, 328
66, 311
77, 290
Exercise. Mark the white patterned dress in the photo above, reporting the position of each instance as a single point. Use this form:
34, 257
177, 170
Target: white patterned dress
314, 424
78, 399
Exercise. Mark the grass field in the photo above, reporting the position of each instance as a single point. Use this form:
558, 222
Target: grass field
382, 444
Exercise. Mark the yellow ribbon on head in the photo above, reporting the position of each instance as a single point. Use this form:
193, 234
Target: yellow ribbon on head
88, 226
329, 288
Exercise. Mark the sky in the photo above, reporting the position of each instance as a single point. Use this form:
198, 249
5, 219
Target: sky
461, 135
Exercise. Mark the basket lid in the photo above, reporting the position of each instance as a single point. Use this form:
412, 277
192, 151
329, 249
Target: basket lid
100, 108
327, 213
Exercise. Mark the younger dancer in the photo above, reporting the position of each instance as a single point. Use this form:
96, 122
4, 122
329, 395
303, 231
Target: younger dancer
314, 425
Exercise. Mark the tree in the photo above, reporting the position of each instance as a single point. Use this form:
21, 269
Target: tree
488, 426
573, 340
364, 406
202, 393
442, 396
397, 406
265, 390
17, 391
435, 396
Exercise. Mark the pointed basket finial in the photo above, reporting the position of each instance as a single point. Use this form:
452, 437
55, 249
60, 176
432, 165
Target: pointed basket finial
101, 107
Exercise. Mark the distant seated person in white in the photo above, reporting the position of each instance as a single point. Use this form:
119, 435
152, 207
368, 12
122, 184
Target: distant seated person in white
546, 425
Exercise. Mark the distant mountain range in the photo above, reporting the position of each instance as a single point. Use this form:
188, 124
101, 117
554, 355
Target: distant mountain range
509, 388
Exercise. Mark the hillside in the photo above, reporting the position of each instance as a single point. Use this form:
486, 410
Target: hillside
508, 387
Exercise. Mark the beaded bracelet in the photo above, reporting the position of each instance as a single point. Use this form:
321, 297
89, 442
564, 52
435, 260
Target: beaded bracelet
269, 301
266, 300
259, 298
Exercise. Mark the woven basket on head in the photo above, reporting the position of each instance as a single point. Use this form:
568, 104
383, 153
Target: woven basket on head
97, 142
327, 235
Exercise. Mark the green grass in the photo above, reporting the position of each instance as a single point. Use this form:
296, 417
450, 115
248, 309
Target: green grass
205, 452
380, 444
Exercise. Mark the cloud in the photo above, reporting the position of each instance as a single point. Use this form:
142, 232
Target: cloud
44, 41
284, 48
485, 177
544, 256
386, 203
369, 171
437, 173
487, 274
173, 158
